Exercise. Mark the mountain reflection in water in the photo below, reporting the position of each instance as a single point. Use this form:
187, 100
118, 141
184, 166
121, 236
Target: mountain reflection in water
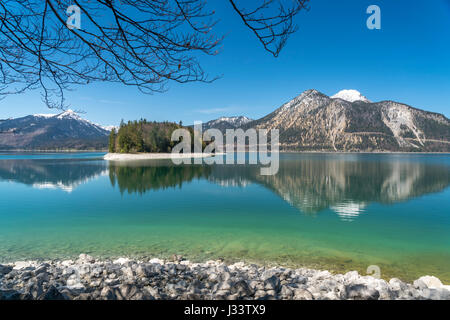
64, 174
309, 183
347, 187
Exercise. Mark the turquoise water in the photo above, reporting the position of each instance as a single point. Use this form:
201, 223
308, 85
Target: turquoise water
338, 212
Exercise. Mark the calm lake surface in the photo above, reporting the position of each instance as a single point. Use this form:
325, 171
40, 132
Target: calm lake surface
338, 212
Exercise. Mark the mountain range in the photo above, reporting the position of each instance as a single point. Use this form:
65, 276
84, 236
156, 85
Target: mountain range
348, 121
312, 121
66, 130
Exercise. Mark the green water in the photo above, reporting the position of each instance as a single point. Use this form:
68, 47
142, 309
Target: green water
339, 212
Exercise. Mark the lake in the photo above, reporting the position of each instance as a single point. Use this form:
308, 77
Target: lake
338, 212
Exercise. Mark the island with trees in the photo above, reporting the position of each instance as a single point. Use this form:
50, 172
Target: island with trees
142, 139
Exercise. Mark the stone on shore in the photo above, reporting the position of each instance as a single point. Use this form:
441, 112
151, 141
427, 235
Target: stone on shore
85, 258
431, 282
127, 279
5, 270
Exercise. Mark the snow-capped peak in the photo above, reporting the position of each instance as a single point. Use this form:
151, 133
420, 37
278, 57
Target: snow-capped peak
68, 114
350, 95
64, 115
45, 115
237, 120
72, 115
109, 128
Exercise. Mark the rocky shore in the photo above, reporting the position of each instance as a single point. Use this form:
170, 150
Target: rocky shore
91, 279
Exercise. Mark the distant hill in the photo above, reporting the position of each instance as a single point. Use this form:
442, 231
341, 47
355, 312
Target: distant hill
224, 123
61, 131
314, 121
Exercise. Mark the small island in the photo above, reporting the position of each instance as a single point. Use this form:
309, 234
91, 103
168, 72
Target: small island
147, 140
144, 137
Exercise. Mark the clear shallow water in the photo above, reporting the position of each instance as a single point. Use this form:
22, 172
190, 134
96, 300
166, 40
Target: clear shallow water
338, 212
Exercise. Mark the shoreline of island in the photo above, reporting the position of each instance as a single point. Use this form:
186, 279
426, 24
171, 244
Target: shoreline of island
155, 156
280, 151
168, 156
88, 278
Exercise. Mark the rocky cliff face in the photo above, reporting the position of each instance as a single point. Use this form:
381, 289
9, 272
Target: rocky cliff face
314, 121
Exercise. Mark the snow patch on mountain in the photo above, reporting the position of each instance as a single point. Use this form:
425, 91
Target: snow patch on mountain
227, 123
303, 99
69, 114
110, 128
72, 115
43, 115
350, 96
236, 121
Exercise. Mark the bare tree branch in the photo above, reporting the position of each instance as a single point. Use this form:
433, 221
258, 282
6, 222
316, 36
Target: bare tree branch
140, 43
271, 27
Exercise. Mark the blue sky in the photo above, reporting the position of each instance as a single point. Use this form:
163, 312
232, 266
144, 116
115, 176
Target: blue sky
408, 60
